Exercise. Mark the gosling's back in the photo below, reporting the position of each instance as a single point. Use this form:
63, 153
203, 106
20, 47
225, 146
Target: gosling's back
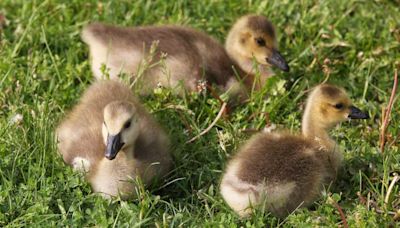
284, 170
271, 157
190, 55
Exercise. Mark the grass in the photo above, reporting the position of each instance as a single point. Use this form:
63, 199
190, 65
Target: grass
44, 69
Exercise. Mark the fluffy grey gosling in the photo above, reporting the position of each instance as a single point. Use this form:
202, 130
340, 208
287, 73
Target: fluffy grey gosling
191, 55
111, 137
282, 171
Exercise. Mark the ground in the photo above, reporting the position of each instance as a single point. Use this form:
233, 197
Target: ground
44, 68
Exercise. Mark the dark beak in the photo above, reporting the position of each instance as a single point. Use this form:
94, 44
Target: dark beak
356, 113
277, 60
114, 144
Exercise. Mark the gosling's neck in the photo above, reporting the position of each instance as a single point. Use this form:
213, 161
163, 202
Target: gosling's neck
313, 128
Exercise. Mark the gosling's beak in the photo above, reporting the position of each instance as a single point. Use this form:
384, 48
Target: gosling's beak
356, 113
113, 146
277, 60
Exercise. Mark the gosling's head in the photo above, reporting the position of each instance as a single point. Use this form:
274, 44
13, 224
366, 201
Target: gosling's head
120, 127
330, 105
253, 36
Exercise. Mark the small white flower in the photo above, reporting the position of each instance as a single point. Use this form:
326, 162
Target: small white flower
270, 128
17, 118
201, 85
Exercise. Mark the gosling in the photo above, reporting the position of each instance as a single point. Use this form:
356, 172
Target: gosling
186, 56
114, 140
281, 171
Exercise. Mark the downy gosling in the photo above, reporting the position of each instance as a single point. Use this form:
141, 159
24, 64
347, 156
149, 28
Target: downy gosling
114, 140
190, 57
282, 171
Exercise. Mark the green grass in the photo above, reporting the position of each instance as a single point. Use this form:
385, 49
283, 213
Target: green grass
44, 69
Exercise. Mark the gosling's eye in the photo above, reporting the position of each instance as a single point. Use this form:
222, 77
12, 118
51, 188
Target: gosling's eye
127, 124
260, 41
104, 122
339, 106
